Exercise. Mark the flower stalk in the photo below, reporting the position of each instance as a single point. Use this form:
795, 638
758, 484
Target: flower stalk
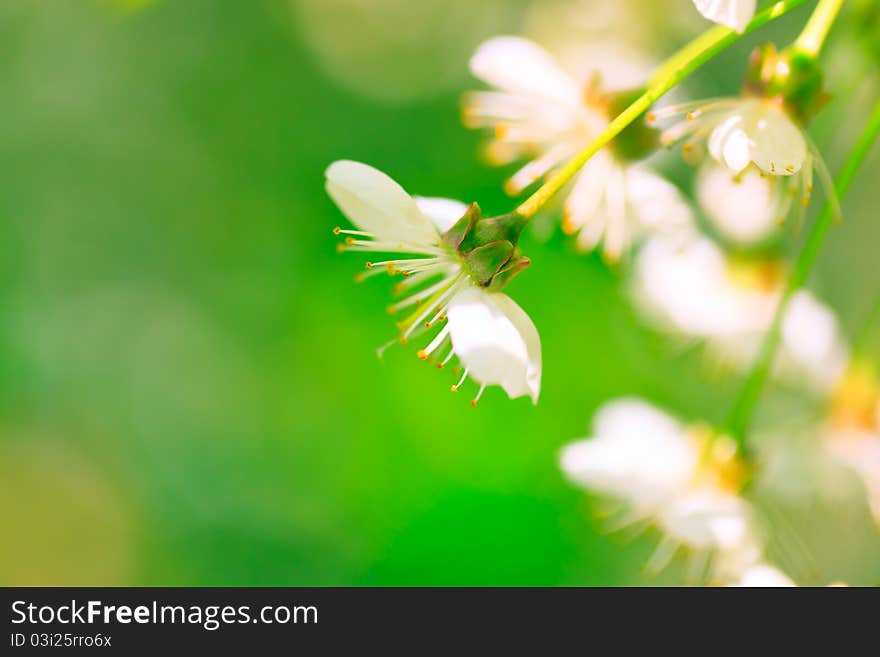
813, 37
677, 68
746, 402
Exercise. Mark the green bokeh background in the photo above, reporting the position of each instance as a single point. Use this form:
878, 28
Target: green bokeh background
189, 388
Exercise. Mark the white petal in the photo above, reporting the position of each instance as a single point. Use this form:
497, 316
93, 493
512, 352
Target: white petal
638, 453
443, 212
519, 66
729, 143
743, 208
656, 204
689, 289
763, 575
735, 14
633, 417
496, 341
777, 144
707, 519
377, 204
812, 340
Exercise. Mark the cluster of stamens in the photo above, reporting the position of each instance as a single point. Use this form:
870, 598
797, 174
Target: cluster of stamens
430, 282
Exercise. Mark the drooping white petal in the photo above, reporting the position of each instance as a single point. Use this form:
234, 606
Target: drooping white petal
496, 341
777, 145
638, 453
520, 66
377, 204
742, 207
443, 212
735, 14
764, 576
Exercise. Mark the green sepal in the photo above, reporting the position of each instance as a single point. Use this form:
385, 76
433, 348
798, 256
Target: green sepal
790, 76
454, 237
504, 275
485, 261
505, 227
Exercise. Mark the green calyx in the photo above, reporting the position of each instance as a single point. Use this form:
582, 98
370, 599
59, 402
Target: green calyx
791, 77
487, 247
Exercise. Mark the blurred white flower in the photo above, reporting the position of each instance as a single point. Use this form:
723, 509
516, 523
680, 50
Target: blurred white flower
745, 207
683, 479
541, 112
492, 337
744, 133
763, 576
853, 433
696, 291
735, 14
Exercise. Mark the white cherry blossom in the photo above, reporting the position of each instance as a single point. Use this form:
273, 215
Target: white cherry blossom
749, 134
545, 114
491, 336
683, 479
696, 291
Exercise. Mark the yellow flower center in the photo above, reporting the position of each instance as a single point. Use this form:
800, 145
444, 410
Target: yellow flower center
757, 275
855, 401
719, 467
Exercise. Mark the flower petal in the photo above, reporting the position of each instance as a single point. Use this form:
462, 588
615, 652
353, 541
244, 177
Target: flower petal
377, 204
496, 341
519, 66
707, 519
443, 212
763, 576
735, 14
743, 208
777, 144
729, 143
656, 204
812, 339
639, 454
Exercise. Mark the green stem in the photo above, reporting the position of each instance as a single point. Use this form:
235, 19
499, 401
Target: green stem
745, 404
672, 72
816, 30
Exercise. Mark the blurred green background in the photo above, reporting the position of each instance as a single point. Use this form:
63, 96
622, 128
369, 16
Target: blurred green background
189, 388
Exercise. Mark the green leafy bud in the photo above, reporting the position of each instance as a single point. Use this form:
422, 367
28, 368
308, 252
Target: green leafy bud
791, 77
485, 261
504, 275
462, 228
506, 227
